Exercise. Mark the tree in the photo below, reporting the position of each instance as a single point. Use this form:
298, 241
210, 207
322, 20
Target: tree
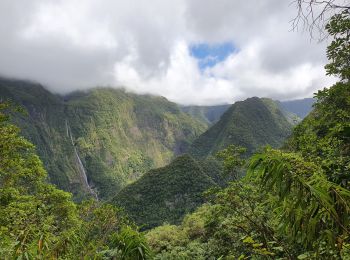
324, 136
338, 52
232, 160
36, 219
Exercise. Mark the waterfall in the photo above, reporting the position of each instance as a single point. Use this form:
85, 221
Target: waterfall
80, 164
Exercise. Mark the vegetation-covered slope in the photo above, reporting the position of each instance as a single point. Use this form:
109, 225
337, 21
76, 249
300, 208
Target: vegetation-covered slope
120, 135
44, 125
100, 140
251, 123
165, 194
324, 135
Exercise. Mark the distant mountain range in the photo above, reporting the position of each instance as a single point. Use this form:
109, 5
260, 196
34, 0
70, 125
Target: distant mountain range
211, 114
95, 143
300, 107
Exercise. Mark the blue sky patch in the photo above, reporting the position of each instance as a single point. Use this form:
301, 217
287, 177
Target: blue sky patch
210, 54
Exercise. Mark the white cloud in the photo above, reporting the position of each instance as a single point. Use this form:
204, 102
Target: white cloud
69, 22
143, 46
181, 82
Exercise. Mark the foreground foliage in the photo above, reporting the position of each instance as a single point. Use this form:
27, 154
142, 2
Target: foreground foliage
284, 208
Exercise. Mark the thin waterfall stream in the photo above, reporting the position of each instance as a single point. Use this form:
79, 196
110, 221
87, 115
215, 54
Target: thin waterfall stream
80, 164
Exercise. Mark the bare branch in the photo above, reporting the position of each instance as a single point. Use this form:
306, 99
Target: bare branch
313, 15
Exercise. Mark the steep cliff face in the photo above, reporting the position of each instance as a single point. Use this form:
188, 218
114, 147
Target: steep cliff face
94, 143
44, 125
121, 135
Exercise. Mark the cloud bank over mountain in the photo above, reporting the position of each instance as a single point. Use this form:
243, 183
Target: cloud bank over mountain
147, 47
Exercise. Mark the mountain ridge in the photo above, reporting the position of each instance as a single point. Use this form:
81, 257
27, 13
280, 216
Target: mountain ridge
252, 123
114, 136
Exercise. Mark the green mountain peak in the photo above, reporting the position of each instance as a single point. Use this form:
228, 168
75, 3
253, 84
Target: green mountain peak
251, 123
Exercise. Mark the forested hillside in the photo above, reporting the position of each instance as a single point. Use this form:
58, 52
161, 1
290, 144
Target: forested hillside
167, 194
252, 123
96, 142
120, 136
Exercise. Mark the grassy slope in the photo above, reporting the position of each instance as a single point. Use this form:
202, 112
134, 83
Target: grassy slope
166, 194
251, 123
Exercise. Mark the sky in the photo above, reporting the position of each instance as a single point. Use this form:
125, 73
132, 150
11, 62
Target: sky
193, 52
